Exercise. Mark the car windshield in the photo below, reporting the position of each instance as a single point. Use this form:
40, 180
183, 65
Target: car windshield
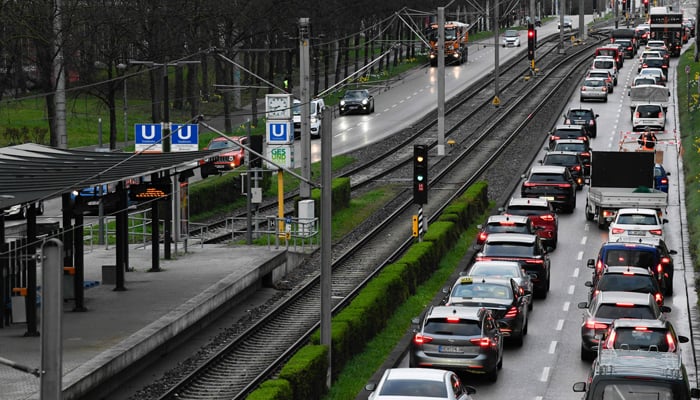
632, 258
561, 159
507, 228
463, 327
637, 219
510, 271
508, 250
612, 311
603, 64
527, 210
634, 339
648, 111
481, 290
607, 52
577, 147
594, 83
511, 33
623, 389
414, 388
599, 74
653, 62
645, 81
555, 178
570, 134
355, 95
580, 113
627, 283
224, 144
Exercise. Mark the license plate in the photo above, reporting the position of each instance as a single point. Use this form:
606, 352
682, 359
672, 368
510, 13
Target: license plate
218, 166
637, 233
549, 198
94, 203
451, 349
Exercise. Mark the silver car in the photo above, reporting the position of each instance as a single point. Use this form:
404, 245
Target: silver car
505, 269
594, 89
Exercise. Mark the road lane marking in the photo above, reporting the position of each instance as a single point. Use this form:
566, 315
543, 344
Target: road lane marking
576, 272
572, 288
552, 347
579, 256
583, 240
566, 306
560, 324
545, 375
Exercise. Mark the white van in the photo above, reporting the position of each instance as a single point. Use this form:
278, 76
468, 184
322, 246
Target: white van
316, 107
606, 63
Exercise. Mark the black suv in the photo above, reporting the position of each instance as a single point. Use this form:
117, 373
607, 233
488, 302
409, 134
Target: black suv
570, 160
571, 131
357, 100
585, 117
527, 250
642, 374
582, 147
553, 183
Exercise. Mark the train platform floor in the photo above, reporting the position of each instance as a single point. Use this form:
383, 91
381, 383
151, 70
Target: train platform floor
121, 327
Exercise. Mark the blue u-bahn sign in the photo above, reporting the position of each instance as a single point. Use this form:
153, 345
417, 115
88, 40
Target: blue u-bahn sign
148, 138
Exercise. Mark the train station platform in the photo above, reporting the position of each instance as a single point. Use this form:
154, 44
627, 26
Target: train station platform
119, 328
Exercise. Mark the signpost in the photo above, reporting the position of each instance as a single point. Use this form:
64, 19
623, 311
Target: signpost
184, 137
148, 138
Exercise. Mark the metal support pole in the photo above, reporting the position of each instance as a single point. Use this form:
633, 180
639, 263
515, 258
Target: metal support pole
31, 273
51, 319
304, 82
326, 255
441, 82
155, 234
280, 203
249, 193
496, 57
126, 119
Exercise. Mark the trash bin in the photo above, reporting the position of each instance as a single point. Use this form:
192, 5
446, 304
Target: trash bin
109, 274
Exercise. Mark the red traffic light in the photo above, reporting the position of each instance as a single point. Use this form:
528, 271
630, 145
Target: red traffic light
531, 34
646, 2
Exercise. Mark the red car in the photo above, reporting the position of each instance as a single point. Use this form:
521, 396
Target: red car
541, 213
225, 161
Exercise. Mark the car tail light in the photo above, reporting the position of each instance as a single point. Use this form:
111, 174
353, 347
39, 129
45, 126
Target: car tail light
604, 89
659, 298
512, 312
567, 122
665, 260
583, 88
628, 273
664, 181
529, 184
564, 185
656, 232
482, 237
591, 122
585, 154
636, 115
661, 115
547, 217
624, 304
419, 339
582, 138
617, 231
593, 324
453, 320
671, 342
521, 291
577, 168
481, 342
555, 137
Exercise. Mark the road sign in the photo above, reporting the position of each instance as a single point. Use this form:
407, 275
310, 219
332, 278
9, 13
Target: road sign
184, 137
282, 155
148, 138
279, 132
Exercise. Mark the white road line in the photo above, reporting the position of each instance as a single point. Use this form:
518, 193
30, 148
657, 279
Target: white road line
584, 239
572, 288
552, 347
576, 272
566, 306
560, 325
579, 256
538, 398
386, 110
545, 375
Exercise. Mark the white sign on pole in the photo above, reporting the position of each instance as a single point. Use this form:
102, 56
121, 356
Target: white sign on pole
282, 155
148, 138
184, 137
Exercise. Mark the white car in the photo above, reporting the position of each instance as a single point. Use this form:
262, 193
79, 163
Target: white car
657, 73
606, 63
568, 23
511, 38
423, 383
635, 223
650, 116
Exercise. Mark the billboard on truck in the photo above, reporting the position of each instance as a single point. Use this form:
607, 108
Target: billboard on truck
667, 25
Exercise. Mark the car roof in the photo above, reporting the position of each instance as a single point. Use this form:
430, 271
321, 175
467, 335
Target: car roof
594, 78
582, 108
572, 141
431, 374
654, 69
634, 322
598, 71
653, 364
561, 153
463, 312
618, 269
226, 139
644, 240
548, 169
608, 297
636, 211
496, 263
465, 280
569, 127
508, 218
511, 237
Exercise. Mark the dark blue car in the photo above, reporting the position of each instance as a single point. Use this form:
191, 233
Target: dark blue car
661, 178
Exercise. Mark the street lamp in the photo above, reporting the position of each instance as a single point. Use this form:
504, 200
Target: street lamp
123, 67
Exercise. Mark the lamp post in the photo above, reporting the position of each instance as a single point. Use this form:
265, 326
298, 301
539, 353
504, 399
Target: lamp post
123, 67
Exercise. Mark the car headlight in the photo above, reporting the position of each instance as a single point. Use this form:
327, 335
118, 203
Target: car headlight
342, 102
313, 120
75, 193
365, 101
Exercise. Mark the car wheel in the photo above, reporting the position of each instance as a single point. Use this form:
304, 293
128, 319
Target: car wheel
500, 362
605, 100
589, 215
586, 355
519, 340
669, 287
581, 99
612, 89
530, 305
205, 175
492, 376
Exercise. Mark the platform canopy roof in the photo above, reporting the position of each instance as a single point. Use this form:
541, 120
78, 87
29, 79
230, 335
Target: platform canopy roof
32, 172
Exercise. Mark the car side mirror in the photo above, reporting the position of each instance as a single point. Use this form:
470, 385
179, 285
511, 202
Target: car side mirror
588, 284
579, 387
683, 339
665, 221
582, 305
672, 252
665, 309
371, 386
590, 263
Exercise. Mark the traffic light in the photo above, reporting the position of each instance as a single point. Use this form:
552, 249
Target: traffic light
420, 174
531, 41
646, 6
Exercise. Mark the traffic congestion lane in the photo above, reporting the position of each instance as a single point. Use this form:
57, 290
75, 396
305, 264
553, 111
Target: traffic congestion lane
549, 362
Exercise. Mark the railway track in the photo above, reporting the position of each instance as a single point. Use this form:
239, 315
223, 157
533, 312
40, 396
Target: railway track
472, 107
484, 139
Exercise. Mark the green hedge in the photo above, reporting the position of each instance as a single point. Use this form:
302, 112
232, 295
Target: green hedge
306, 372
366, 314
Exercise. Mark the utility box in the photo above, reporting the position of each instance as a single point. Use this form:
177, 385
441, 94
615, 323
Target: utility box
306, 218
109, 274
